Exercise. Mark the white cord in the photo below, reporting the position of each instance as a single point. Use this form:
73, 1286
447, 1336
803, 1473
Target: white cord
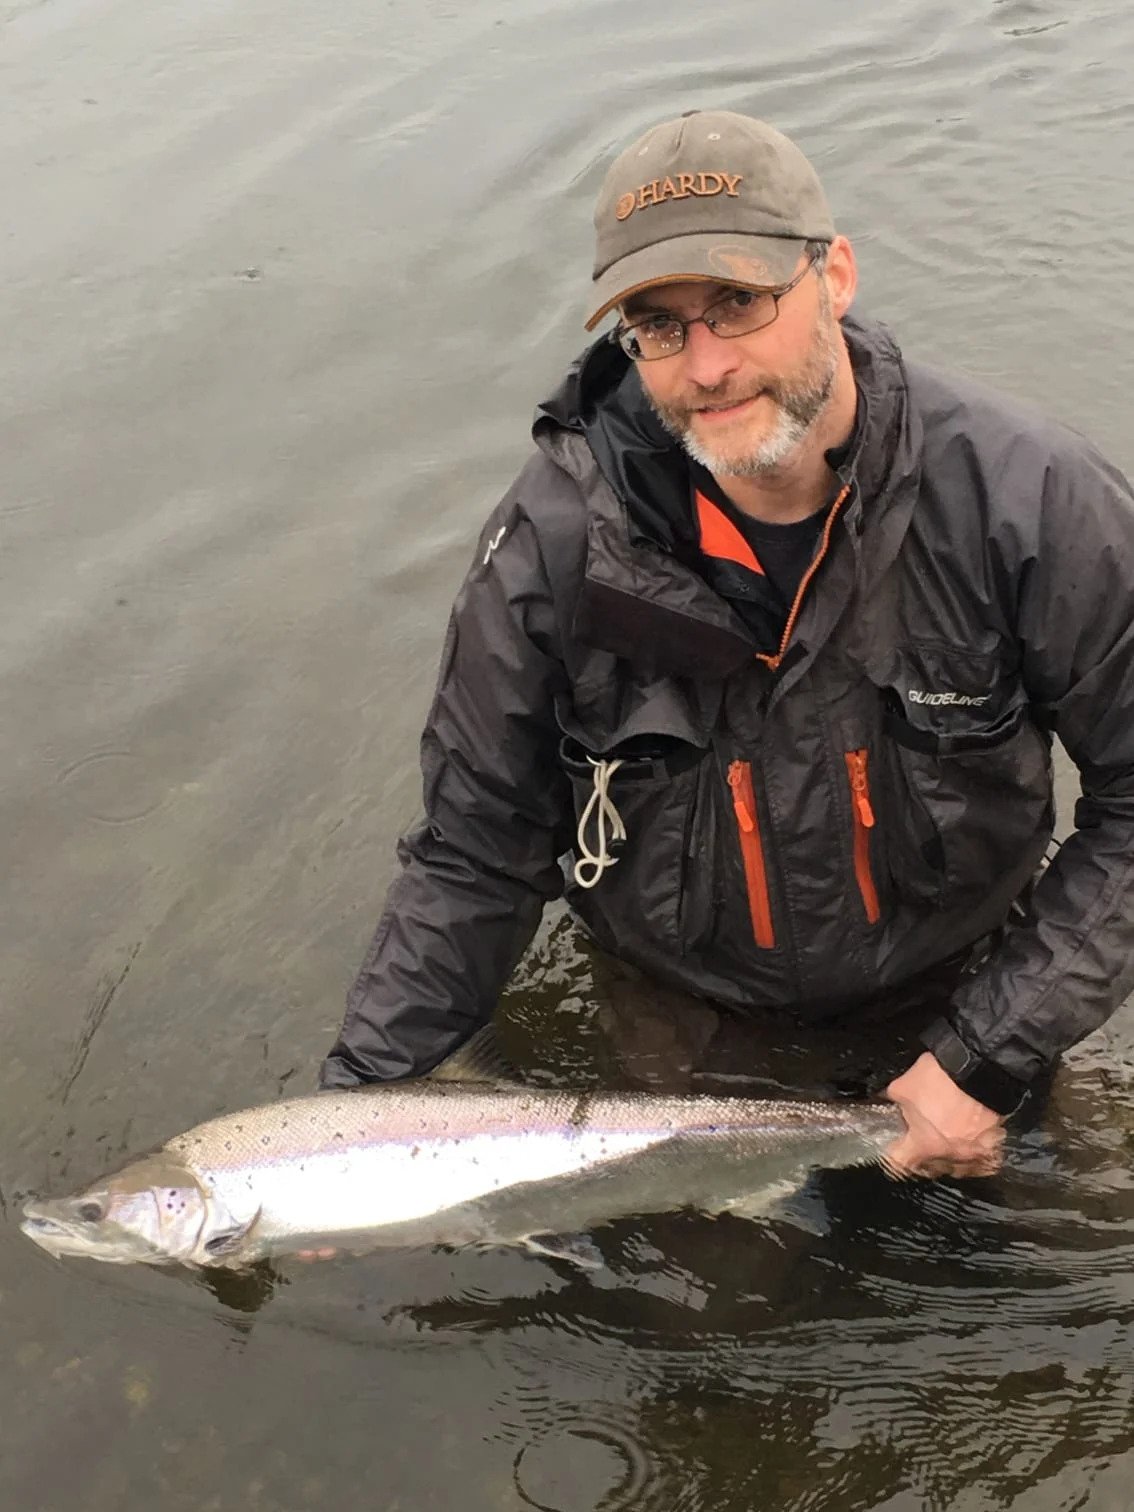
599, 859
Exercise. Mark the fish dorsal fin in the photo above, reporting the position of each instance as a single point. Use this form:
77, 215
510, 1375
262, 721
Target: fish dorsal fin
479, 1059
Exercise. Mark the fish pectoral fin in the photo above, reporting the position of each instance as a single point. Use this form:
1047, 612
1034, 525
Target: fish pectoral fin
222, 1244
578, 1249
761, 1204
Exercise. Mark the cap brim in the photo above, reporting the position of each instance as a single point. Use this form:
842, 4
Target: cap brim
753, 262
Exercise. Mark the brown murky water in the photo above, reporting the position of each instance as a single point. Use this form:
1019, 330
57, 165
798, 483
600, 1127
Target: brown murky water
280, 287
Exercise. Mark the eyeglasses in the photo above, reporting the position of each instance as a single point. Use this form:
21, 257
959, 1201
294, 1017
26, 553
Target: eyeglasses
737, 313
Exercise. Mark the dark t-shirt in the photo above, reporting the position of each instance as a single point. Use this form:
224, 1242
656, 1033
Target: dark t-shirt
784, 551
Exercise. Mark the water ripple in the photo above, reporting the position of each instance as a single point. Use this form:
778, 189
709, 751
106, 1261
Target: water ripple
585, 1462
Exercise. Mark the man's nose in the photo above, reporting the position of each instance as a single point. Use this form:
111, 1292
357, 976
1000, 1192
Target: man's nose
709, 359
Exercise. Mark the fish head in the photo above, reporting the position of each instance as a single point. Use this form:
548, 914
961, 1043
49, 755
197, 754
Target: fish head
154, 1211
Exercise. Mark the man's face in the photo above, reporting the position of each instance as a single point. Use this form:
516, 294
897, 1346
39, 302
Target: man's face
741, 406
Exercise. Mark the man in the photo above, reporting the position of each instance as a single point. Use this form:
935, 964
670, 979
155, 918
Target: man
769, 639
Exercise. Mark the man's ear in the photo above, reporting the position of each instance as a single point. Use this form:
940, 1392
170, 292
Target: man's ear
841, 275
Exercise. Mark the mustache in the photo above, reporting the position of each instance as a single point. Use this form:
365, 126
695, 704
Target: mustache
720, 397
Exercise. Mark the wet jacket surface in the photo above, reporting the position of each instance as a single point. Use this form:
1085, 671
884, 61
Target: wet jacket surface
813, 813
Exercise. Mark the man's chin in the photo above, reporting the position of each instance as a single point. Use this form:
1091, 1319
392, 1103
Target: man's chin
745, 450
738, 455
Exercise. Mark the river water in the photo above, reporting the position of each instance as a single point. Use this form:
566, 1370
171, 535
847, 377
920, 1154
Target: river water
280, 287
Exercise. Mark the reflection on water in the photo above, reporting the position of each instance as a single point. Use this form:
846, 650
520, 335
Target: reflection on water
280, 289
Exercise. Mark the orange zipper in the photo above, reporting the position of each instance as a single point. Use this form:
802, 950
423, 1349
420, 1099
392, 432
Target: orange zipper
752, 852
863, 824
774, 661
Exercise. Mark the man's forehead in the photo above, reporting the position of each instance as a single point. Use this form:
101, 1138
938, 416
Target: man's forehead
668, 298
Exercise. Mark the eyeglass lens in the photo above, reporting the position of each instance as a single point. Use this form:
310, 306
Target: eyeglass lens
737, 314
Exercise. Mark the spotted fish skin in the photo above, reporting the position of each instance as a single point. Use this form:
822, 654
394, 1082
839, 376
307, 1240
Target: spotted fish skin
426, 1162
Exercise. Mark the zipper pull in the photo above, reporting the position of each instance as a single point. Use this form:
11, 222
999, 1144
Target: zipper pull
744, 818
859, 788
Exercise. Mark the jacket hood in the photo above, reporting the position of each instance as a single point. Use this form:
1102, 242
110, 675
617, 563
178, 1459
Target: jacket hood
603, 399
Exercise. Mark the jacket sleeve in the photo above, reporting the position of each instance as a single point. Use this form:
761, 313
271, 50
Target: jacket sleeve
479, 866
1060, 974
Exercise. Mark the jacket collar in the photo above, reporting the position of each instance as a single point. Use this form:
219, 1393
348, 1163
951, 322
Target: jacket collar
643, 598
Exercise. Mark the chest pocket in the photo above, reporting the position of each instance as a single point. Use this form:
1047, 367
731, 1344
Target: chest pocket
640, 859
967, 810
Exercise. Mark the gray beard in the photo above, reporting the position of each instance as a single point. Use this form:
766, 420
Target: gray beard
798, 407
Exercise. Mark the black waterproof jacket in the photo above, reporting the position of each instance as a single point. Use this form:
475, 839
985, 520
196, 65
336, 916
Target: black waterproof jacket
810, 822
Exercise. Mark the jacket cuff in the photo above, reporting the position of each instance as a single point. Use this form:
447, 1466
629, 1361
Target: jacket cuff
982, 1079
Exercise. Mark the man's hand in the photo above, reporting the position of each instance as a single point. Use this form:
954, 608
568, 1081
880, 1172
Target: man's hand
948, 1133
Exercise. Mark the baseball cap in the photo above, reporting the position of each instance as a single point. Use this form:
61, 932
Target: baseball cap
711, 195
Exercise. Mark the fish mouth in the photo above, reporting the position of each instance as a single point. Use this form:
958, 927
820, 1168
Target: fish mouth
64, 1236
40, 1222
55, 1237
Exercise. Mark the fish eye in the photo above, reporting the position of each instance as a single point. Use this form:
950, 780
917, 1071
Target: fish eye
90, 1212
